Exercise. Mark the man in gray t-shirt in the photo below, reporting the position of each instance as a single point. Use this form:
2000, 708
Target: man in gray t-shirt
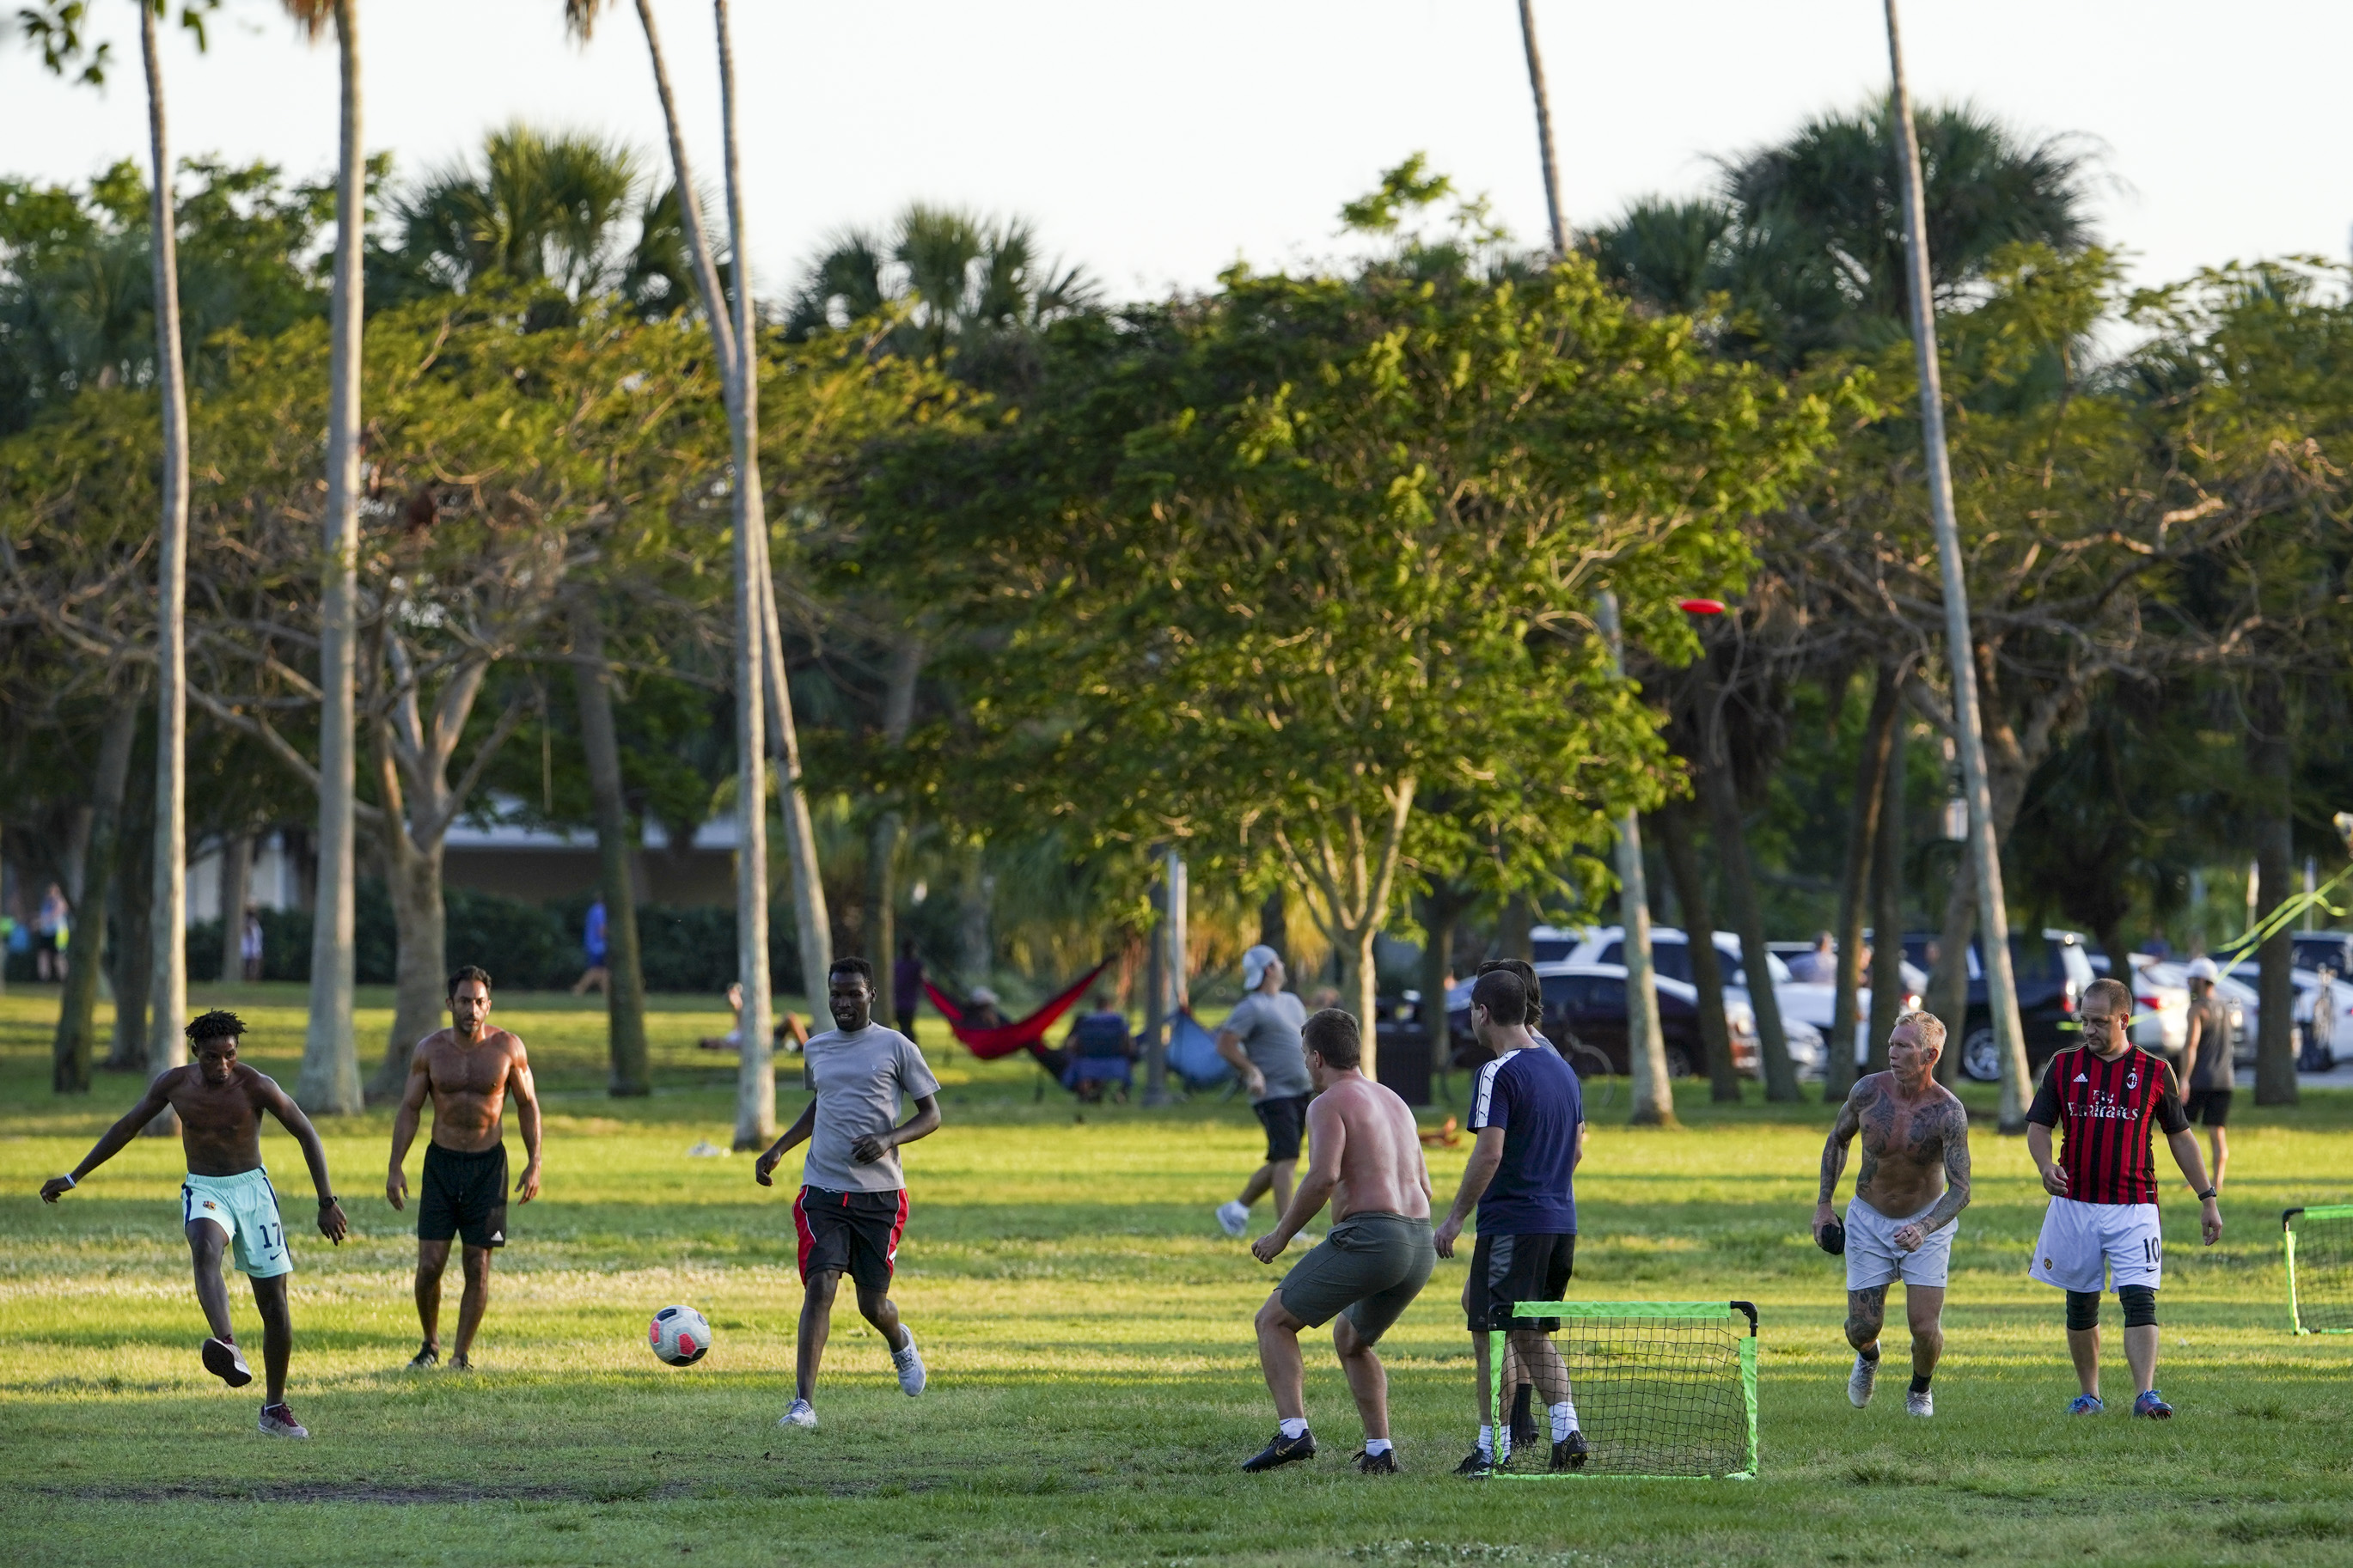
1260, 1039
852, 1208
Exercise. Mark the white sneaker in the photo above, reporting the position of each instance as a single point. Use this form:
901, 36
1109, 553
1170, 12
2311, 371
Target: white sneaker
801, 1414
225, 1362
1234, 1219
1921, 1403
910, 1363
278, 1420
1858, 1381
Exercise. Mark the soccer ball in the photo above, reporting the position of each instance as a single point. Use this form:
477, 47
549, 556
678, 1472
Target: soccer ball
680, 1335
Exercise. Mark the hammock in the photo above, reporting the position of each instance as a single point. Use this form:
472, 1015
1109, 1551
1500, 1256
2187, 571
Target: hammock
1023, 1034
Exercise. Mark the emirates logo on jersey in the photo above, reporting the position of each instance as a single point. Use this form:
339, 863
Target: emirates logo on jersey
2105, 1106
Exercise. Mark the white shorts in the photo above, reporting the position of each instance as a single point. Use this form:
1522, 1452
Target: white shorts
1873, 1259
2082, 1243
245, 1207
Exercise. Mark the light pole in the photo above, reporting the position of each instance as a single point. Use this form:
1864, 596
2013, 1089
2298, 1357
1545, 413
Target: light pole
1985, 854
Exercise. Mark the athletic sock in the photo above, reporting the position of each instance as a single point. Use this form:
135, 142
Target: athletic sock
1293, 1428
1920, 1381
1376, 1446
1564, 1420
1487, 1441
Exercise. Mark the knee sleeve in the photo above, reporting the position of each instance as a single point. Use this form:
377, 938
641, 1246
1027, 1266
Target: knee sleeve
2082, 1309
2140, 1305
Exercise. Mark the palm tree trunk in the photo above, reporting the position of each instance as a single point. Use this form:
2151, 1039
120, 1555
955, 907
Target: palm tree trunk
1544, 129
1887, 989
1862, 834
813, 921
1675, 825
235, 888
2269, 763
329, 1081
624, 991
1749, 919
166, 1046
882, 842
70, 1054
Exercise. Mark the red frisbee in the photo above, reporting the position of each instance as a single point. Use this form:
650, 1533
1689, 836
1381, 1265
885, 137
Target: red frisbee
1702, 606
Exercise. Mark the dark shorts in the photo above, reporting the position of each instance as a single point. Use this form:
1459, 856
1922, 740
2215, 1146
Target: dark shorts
1508, 1270
1286, 1121
855, 1233
464, 1195
2210, 1106
1369, 1267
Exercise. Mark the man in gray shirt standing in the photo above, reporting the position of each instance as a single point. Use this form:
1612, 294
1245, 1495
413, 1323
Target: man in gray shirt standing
852, 1208
1260, 1038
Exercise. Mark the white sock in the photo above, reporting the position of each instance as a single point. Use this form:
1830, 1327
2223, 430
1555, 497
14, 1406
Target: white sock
1487, 1441
1294, 1427
1564, 1420
1376, 1445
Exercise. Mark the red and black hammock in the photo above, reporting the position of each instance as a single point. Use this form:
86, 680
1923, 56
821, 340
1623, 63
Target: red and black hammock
1022, 1033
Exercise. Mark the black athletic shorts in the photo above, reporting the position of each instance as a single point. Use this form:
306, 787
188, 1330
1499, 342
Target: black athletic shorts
1286, 1121
1506, 1270
850, 1233
2210, 1106
463, 1195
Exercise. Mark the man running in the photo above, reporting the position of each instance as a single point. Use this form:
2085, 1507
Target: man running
1371, 1264
852, 1208
227, 1202
1260, 1039
1529, 1115
469, 1068
1915, 1140
2110, 1095
2210, 1062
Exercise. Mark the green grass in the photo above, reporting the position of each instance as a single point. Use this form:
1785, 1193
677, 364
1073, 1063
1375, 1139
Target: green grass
1095, 1384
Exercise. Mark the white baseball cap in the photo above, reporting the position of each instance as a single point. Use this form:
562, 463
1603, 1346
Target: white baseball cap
2203, 969
1255, 963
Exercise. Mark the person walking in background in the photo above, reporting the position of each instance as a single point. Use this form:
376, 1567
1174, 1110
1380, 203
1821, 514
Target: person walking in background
596, 976
49, 935
906, 986
2208, 1053
1260, 1039
1819, 967
249, 945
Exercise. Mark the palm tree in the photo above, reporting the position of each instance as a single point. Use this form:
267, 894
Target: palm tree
540, 209
330, 1083
761, 691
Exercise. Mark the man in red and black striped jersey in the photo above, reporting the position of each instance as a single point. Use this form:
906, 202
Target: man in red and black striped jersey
2109, 1095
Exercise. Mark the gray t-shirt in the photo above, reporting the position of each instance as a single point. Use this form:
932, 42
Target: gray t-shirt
857, 1080
2215, 1066
1268, 1029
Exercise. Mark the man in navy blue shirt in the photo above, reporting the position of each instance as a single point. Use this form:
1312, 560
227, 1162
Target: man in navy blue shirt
1530, 1120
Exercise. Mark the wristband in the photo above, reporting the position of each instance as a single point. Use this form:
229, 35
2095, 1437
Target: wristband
2208, 1194
327, 1200
68, 1178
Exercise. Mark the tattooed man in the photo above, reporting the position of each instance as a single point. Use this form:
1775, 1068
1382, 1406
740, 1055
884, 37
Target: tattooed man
1915, 1139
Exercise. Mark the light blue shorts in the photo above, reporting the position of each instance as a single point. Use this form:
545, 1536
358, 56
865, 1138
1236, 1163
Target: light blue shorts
245, 1205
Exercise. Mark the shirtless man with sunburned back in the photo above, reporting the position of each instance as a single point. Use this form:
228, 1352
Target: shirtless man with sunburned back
1915, 1141
469, 1068
1364, 1155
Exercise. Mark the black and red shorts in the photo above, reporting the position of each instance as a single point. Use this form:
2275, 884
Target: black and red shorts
850, 1233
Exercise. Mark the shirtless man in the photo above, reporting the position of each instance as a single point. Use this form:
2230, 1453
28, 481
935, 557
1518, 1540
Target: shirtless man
469, 1068
228, 1197
1915, 1139
1364, 1155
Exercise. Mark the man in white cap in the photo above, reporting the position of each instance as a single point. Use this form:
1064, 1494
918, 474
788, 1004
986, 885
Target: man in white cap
2209, 1062
1260, 1038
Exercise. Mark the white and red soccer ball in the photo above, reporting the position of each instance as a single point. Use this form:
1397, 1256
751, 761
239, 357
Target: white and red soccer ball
680, 1335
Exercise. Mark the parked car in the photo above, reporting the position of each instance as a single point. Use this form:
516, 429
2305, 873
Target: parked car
2051, 973
2160, 1022
1585, 1010
1803, 1002
2159, 977
2332, 949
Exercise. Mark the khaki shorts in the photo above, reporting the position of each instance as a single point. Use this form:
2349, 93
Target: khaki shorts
1369, 1265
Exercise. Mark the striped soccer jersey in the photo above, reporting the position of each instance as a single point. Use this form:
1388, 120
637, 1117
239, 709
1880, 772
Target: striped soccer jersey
2107, 1111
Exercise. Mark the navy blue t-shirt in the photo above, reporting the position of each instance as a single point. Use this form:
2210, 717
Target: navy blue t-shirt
1532, 1095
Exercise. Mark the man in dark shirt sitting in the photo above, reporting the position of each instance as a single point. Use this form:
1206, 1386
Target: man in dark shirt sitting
1528, 1112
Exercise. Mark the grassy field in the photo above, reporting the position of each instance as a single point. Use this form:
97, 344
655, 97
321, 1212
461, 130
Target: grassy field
1093, 1378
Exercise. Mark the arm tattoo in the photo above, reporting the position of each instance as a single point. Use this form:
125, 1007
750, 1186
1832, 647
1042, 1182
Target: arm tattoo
1834, 1149
1955, 1124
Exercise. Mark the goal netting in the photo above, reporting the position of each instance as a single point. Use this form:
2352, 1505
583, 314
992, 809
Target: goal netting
2320, 1244
1654, 1388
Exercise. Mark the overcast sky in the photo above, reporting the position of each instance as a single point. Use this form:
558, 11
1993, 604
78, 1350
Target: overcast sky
1156, 144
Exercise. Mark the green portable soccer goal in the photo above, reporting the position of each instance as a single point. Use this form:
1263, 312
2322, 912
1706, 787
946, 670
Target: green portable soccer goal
2320, 1247
1655, 1389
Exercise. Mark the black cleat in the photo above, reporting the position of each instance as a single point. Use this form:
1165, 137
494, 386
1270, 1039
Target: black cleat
1478, 1464
1281, 1451
1570, 1453
425, 1358
1381, 1464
